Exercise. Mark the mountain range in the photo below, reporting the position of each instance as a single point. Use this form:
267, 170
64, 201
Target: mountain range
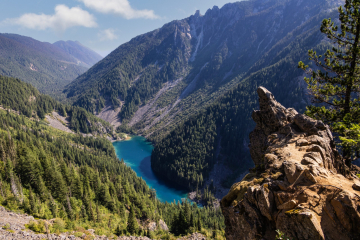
48, 67
190, 86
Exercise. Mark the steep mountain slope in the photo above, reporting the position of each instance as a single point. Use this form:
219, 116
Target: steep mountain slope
44, 65
84, 55
222, 129
162, 77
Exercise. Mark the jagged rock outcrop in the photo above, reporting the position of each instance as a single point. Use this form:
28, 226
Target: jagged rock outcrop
300, 184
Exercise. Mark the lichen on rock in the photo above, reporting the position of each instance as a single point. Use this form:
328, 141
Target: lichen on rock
300, 186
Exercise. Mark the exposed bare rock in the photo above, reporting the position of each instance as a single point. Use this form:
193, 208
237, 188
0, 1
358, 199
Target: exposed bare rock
300, 184
152, 226
163, 225
110, 115
59, 122
194, 236
269, 119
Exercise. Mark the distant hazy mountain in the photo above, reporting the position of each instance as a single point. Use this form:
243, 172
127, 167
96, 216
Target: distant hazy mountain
84, 55
44, 65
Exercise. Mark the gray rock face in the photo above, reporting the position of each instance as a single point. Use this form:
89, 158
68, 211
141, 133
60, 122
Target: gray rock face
270, 118
300, 184
163, 225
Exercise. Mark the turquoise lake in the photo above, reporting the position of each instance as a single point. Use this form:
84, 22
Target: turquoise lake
136, 153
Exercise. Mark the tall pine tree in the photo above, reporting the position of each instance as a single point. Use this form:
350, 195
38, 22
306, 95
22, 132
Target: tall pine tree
132, 225
336, 84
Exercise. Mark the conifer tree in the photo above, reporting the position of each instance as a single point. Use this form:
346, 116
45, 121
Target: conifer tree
214, 233
336, 84
118, 231
70, 212
182, 222
53, 207
199, 224
132, 224
192, 220
32, 201
83, 213
175, 224
98, 217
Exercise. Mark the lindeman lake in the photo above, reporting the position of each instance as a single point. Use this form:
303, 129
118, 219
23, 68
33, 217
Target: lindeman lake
136, 153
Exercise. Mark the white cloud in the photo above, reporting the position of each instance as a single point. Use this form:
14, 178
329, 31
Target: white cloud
63, 18
120, 7
107, 34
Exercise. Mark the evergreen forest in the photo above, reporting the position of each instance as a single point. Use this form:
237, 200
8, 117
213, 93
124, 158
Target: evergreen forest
79, 182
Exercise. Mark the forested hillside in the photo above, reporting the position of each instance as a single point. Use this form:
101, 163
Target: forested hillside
188, 153
46, 66
25, 99
52, 174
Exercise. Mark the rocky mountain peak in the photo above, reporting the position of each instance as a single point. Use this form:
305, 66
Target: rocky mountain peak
300, 184
197, 14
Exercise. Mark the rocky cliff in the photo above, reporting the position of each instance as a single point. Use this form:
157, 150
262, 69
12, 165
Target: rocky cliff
300, 184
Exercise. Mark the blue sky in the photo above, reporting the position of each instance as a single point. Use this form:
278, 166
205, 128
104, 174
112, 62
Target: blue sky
101, 25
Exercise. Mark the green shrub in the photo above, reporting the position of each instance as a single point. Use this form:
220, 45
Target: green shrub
78, 234
70, 225
58, 225
100, 231
280, 235
38, 227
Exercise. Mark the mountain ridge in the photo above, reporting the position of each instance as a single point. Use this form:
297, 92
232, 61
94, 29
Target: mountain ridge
193, 61
204, 70
85, 55
44, 65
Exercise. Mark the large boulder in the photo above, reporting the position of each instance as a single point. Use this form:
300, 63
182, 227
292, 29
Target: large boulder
300, 185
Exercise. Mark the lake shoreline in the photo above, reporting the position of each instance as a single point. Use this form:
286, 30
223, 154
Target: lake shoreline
128, 137
136, 153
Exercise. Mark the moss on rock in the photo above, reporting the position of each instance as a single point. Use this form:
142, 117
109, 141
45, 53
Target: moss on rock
238, 190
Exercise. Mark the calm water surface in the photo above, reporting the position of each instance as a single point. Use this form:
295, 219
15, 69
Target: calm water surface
136, 154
